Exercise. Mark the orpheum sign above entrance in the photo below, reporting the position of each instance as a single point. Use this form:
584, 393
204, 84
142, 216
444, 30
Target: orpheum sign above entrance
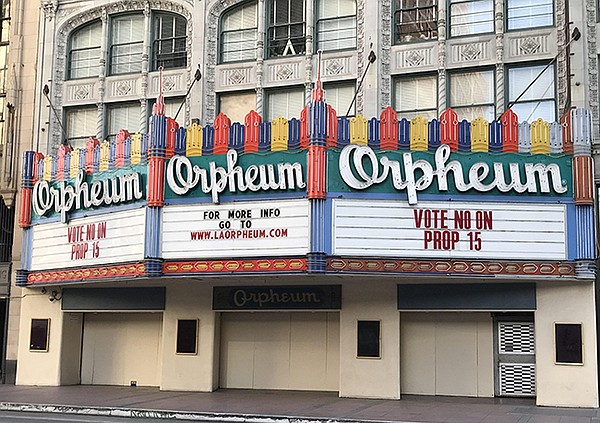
361, 168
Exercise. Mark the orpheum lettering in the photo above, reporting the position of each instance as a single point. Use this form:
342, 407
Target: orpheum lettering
419, 175
182, 176
242, 298
63, 198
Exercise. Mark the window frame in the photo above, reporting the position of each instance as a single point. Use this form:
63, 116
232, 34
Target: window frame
450, 25
506, 20
395, 31
107, 122
66, 111
397, 78
338, 18
453, 72
378, 355
111, 45
154, 40
178, 333
68, 67
45, 347
581, 344
220, 31
269, 26
338, 84
509, 66
270, 91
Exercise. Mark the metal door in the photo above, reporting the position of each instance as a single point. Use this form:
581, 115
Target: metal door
515, 359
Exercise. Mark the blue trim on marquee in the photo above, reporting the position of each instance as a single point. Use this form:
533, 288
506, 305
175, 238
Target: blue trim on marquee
152, 241
585, 232
328, 226
26, 248
571, 227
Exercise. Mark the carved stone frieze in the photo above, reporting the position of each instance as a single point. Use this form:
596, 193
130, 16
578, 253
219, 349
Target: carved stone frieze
385, 47
336, 66
80, 92
470, 52
360, 50
592, 69
414, 58
236, 76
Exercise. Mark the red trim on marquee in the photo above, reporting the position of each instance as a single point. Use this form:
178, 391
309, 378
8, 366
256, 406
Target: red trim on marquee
73, 275
235, 266
454, 267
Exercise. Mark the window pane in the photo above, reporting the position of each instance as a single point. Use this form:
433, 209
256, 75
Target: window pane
530, 13
123, 116
471, 17
239, 34
286, 28
171, 107
471, 88
84, 56
340, 96
335, 8
415, 20
169, 44
336, 33
127, 43
471, 113
537, 101
237, 105
81, 123
416, 96
285, 103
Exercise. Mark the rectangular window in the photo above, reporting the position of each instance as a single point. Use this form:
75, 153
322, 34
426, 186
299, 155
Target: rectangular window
169, 42
237, 105
336, 25
470, 17
415, 20
84, 55
339, 96
286, 103
187, 336
537, 101
38, 337
123, 116
472, 94
368, 339
127, 34
81, 124
529, 13
286, 32
416, 96
568, 341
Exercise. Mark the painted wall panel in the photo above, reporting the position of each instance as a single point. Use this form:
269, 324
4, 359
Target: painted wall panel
115, 238
250, 229
449, 230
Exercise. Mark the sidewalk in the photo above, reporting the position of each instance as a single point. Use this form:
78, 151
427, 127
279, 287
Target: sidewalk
280, 406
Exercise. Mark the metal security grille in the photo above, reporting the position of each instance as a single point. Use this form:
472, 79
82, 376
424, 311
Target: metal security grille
516, 338
516, 358
517, 379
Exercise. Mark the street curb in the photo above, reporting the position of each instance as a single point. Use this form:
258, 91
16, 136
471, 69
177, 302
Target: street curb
172, 415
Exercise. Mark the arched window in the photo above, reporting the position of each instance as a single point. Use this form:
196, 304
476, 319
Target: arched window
336, 25
239, 32
168, 47
84, 51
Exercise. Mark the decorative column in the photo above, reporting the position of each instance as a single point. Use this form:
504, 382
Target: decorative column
156, 190
25, 215
583, 184
316, 163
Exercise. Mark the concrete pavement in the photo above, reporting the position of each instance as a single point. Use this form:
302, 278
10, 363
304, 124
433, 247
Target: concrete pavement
280, 406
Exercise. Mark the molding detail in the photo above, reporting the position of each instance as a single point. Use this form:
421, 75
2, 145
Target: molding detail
385, 47
284, 72
470, 52
415, 58
349, 265
123, 88
237, 76
76, 275
530, 45
80, 92
235, 266
336, 66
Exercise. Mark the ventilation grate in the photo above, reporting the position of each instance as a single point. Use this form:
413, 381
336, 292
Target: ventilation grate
517, 379
516, 338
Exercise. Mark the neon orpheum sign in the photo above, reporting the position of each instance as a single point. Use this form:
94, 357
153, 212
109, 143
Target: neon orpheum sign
419, 175
64, 197
182, 176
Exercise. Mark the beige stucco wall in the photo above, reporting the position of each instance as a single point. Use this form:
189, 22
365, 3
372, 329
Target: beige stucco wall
565, 385
33, 367
363, 377
447, 354
190, 372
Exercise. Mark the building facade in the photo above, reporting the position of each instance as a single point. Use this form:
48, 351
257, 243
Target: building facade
442, 246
